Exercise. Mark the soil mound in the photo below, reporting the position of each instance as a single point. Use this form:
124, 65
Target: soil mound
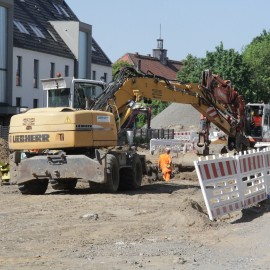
4, 150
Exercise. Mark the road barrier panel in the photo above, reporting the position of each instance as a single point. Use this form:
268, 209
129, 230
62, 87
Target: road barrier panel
177, 146
187, 136
231, 183
252, 170
266, 154
218, 179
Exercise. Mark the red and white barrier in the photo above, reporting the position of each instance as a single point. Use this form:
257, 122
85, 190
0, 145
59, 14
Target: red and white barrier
183, 136
251, 169
266, 155
233, 183
218, 178
177, 146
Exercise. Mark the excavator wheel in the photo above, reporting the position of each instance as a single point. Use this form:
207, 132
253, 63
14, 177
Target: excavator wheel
65, 184
112, 168
131, 178
34, 187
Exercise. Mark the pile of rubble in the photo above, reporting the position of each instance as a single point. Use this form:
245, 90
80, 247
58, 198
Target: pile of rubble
177, 116
4, 151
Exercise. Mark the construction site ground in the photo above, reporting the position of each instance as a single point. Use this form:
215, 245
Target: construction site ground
159, 226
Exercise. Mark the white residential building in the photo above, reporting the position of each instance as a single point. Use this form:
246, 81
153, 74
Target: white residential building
47, 38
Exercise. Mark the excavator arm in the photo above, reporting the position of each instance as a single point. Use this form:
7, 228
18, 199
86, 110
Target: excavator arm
213, 97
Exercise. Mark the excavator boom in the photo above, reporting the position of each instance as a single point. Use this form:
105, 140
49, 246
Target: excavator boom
131, 86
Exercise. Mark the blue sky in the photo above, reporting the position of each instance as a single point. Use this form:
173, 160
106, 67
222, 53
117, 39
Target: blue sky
187, 26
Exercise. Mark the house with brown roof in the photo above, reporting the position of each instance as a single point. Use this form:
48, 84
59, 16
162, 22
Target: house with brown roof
158, 64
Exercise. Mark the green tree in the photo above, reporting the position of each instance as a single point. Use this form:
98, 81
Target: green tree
257, 56
119, 65
228, 64
191, 70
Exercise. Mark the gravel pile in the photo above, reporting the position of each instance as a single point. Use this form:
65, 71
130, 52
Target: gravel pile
4, 150
182, 115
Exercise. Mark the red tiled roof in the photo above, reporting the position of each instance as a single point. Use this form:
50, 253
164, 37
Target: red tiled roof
153, 65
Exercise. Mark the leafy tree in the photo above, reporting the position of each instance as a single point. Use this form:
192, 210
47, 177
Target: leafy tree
119, 65
228, 64
257, 56
191, 70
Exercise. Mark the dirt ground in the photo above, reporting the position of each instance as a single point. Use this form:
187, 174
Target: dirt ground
160, 226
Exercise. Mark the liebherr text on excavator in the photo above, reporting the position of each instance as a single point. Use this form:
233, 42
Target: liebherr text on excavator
77, 136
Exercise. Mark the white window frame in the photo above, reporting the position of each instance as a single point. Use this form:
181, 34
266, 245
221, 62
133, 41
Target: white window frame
37, 31
21, 27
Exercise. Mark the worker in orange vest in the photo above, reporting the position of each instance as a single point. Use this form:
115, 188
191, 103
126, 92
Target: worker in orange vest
165, 164
257, 122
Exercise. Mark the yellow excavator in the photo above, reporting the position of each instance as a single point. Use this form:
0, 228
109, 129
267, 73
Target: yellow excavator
76, 136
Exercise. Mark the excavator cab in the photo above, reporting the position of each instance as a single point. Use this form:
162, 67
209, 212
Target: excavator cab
257, 123
71, 92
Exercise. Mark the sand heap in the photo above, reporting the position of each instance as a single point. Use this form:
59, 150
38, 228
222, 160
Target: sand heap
177, 116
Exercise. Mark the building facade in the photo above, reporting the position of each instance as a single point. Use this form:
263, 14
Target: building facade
6, 54
39, 39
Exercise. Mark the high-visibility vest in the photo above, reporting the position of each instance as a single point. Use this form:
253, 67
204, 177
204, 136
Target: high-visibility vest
257, 120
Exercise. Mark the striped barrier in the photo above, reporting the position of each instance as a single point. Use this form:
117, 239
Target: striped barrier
187, 136
266, 154
218, 179
177, 146
233, 183
251, 169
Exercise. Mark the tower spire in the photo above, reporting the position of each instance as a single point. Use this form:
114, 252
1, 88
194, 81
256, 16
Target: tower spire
159, 52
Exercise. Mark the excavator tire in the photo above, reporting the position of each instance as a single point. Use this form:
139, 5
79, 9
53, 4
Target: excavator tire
64, 184
34, 187
112, 169
131, 178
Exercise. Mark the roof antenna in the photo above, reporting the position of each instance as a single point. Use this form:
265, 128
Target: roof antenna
160, 40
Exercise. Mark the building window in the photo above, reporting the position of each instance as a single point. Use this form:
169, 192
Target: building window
60, 10
94, 75
36, 73
64, 11
3, 53
37, 31
21, 27
35, 103
66, 71
19, 71
57, 8
83, 55
104, 77
18, 102
52, 71
52, 35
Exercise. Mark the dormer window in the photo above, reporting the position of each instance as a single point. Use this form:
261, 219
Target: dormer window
37, 31
21, 27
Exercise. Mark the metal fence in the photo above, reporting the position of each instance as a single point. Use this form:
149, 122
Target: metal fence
4, 132
154, 133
